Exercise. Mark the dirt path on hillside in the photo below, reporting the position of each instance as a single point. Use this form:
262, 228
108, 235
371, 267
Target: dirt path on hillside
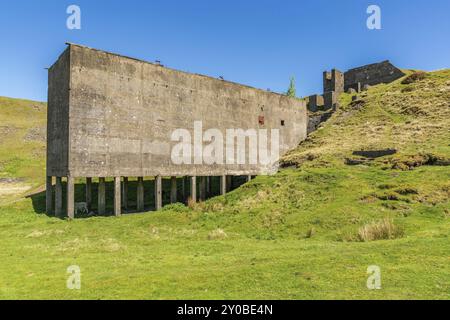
12, 188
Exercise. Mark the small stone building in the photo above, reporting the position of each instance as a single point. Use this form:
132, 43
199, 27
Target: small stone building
370, 75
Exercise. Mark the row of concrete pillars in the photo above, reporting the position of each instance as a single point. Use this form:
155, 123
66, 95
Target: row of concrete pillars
121, 186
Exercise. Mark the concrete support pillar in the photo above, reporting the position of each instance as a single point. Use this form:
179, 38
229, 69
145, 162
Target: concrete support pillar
183, 188
223, 185
173, 189
158, 193
70, 198
58, 197
186, 187
140, 194
101, 196
229, 183
208, 186
202, 189
249, 178
48, 195
89, 193
125, 193
117, 193
193, 195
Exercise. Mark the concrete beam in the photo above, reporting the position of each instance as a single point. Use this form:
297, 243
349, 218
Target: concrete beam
193, 195
140, 194
223, 185
173, 189
58, 197
89, 193
125, 193
158, 193
117, 193
48, 195
70, 197
101, 196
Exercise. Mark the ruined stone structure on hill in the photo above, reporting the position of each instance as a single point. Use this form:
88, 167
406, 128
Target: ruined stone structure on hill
354, 80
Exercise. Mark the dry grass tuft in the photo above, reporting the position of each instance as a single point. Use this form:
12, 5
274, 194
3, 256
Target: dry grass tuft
217, 234
310, 233
380, 230
409, 162
191, 203
414, 77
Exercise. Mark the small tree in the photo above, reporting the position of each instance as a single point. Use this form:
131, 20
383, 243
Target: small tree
291, 90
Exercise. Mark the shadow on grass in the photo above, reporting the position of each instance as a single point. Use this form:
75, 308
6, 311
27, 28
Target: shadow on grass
39, 201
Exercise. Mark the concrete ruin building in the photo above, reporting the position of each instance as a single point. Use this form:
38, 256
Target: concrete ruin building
113, 117
354, 80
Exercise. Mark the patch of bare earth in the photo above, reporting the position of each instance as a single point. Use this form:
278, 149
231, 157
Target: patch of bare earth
12, 186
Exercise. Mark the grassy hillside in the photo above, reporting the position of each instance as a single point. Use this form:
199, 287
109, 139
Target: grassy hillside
310, 231
22, 146
413, 118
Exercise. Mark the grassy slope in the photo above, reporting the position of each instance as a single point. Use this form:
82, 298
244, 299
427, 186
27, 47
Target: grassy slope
22, 141
268, 251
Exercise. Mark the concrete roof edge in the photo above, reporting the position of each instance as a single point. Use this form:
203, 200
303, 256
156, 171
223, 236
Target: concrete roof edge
190, 73
371, 64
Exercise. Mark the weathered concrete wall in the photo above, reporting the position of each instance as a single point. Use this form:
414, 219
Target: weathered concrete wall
123, 112
58, 117
315, 102
330, 100
316, 118
372, 74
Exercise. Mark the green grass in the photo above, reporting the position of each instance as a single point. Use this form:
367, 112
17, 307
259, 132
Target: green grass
289, 236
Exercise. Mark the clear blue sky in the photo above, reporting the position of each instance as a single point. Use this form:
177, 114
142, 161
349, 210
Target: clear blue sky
259, 43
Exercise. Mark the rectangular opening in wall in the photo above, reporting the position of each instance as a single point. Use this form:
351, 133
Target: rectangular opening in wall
261, 120
282, 123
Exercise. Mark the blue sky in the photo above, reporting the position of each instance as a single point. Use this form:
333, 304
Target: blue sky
258, 43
